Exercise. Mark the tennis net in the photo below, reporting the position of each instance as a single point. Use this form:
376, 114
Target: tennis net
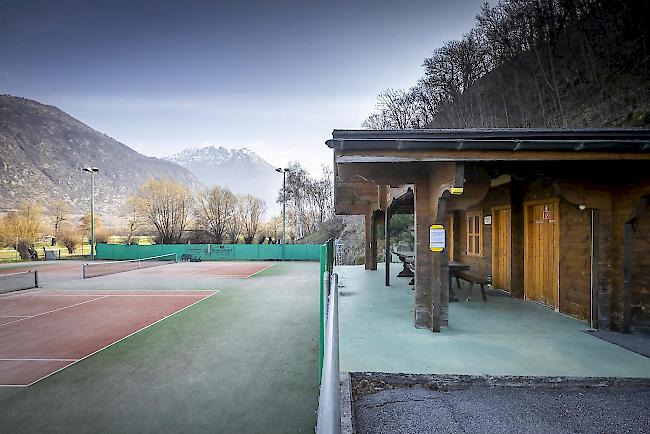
103, 268
18, 281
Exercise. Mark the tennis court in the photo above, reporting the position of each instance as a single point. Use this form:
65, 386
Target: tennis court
125, 351
44, 332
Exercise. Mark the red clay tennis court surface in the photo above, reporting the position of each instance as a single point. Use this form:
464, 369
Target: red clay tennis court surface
225, 270
42, 332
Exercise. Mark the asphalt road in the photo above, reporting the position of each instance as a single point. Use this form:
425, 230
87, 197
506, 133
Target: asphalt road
510, 406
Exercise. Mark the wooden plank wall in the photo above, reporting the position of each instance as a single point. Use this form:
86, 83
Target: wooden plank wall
641, 272
622, 206
575, 261
497, 196
575, 245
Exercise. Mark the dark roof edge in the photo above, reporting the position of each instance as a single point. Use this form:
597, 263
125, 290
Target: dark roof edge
586, 139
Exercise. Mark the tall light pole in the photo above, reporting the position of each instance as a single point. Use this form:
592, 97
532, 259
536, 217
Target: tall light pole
284, 202
92, 171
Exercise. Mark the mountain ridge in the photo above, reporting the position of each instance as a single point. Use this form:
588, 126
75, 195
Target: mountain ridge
240, 170
43, 151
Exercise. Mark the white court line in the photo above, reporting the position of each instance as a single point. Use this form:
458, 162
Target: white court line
232, 276
38, 360
14, 316
259, 271
117, 294
202, 269
18, 292
125, 337
155, 295
51, 311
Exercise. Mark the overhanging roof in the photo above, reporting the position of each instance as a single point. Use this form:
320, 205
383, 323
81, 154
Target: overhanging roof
494, 139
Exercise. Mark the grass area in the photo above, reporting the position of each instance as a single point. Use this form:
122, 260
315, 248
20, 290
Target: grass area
140, 240
11, 255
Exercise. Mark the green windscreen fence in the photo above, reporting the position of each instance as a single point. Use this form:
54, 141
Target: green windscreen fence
214, 252
326, 265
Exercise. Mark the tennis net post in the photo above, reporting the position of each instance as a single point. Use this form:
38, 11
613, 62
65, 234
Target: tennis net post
18, 281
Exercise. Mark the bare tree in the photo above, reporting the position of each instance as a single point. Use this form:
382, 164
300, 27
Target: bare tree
252, 210
59, 213
21, 228
166, 206
214, 208
234, 224
70, 238
274, 228
542, 63
309, 200
133, 214
84, 225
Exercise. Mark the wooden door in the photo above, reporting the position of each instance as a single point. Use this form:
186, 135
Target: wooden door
541, 252
501, 248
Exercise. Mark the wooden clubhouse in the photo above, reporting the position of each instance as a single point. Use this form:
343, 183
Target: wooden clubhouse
559, 217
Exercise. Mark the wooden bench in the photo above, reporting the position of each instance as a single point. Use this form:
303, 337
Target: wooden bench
472, 279
189, 257
407, 258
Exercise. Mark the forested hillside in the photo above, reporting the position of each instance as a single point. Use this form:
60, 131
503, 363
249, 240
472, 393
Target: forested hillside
533, 63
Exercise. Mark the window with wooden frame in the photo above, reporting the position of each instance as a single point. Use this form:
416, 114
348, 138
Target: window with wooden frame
474, 233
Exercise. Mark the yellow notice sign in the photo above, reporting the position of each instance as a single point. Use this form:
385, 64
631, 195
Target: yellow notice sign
456, 190
436, 238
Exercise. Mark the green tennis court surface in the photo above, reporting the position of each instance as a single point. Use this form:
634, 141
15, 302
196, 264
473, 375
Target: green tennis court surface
243, 360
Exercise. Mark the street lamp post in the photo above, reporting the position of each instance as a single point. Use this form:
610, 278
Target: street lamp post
284, 202
92, 171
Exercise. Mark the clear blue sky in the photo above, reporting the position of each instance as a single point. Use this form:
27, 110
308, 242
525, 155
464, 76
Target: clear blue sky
274, 76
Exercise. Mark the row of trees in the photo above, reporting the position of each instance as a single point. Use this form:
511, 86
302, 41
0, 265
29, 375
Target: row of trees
161, 207
309, 200
170, 209
171, 213
23, 227
544, 63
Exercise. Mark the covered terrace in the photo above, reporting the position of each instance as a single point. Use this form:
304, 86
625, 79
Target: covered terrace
574, 199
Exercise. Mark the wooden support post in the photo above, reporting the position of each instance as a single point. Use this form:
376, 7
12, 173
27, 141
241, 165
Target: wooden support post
517, 239
605, 266
441, 284
637, 213
373, 241
627, 278
387, 237
595, 239
431, 269
368, 244
423, 256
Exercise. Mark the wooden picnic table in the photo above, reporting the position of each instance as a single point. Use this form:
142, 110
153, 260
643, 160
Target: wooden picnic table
408, 259
454, 268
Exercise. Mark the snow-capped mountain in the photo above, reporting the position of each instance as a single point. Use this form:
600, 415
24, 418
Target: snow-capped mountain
214, 155
240, 170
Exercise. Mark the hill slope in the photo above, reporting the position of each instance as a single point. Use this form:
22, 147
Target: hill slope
240, 170
43, 151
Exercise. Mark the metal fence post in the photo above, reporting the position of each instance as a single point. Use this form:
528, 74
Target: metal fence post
329, 401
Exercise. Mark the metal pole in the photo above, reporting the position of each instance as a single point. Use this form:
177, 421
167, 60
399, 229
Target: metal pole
92, 216
284, 206
387, 246
329, 401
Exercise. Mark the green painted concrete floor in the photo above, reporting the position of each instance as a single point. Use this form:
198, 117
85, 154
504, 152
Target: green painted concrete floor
500, 337
244, 360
